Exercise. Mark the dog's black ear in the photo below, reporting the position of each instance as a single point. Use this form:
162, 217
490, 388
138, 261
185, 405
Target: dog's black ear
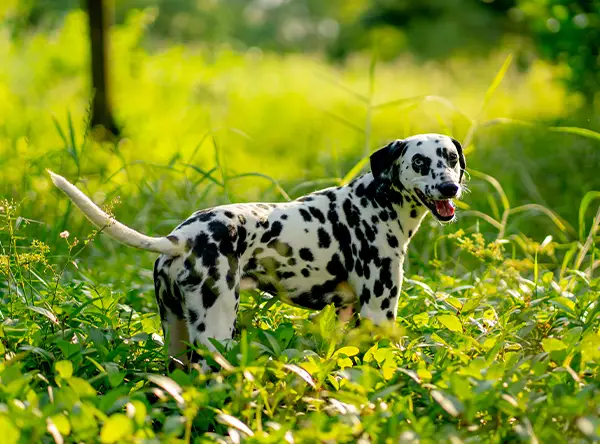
461, 158
383, 159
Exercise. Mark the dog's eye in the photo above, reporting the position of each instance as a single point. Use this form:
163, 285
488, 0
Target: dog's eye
453, 157
418, 162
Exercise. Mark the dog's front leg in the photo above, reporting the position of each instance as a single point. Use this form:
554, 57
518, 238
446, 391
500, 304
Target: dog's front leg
379, 298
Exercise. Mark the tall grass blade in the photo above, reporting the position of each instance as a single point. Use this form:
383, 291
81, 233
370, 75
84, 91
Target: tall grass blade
355, 170
561, 224
205, 174
358, 96
584, 132
277, 185
589, 197
492, 181
495, 83
346, 122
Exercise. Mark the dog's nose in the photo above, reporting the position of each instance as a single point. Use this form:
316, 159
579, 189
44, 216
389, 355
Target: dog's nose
448, 189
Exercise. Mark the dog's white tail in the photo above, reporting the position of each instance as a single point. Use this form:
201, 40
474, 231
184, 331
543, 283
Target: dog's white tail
111, 226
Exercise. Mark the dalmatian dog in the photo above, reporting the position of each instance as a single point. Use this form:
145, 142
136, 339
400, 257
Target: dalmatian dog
342, 245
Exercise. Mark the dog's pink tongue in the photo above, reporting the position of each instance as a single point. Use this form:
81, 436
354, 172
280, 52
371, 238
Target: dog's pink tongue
444, 207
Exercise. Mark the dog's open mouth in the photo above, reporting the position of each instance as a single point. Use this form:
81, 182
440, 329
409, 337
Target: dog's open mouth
443, 210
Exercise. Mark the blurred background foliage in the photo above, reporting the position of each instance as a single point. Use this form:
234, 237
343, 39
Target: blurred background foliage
561, 31
300, 91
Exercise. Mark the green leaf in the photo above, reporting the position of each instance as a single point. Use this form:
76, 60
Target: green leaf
81, 387
64, 369
10, 432
553, 344
451, 322
117, 428
421, 319
348, 351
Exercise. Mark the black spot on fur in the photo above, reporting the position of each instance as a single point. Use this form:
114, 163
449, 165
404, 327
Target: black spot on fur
378, 288
335, 268
351, 212
306, 254
209, 293
272, 233
192, 316
317, 214
305, 272
413, 213
392, 240
305, 215
324, 238
365, 296
286, 274
424, 166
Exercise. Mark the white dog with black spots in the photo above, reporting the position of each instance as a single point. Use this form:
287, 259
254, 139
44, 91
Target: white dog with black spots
342, 245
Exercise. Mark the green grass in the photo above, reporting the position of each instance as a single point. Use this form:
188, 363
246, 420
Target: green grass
498, 324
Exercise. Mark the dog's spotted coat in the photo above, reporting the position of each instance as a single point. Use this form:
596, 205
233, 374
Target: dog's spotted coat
343, 245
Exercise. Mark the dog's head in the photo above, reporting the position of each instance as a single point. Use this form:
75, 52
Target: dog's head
430, 166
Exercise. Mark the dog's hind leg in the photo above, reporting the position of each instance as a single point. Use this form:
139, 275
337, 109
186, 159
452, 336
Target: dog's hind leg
211, 309
170, 308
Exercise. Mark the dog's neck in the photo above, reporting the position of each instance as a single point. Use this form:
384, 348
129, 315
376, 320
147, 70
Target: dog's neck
404, 209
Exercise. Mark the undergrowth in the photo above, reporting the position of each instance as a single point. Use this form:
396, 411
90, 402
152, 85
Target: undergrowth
497, 337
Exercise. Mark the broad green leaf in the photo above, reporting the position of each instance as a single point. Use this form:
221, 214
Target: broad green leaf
81, 387
553, 344
421, 319
64, 369
62, 424
118, 428
10, 432
370, 354
451, 322
348, 351
563, 303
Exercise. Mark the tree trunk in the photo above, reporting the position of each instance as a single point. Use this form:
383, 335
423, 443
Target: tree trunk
101, 108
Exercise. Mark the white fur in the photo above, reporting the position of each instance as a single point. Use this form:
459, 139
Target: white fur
110, 225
